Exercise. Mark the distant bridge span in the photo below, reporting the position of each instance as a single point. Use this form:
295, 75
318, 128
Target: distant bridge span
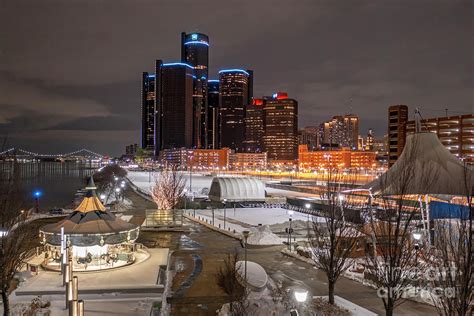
84, 153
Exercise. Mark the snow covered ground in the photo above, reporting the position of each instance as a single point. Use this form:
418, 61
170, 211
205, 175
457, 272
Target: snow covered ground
247, 218
199, 181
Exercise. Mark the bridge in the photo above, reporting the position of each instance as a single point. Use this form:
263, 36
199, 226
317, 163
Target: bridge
81, 154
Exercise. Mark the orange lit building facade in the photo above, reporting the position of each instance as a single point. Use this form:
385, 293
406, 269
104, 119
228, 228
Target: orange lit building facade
196, 158
248, 161
337, 159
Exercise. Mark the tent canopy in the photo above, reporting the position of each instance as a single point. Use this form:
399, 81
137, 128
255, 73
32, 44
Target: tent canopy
236, 189
424, 167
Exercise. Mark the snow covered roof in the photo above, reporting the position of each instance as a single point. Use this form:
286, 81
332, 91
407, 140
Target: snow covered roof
425, 167
236, 189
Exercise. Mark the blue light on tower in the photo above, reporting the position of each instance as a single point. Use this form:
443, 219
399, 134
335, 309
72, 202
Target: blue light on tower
194, 37
37, 194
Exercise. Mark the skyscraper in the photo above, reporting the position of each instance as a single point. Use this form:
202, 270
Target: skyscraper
147, 138
213, 114
174, 105
309, 136
235, 93
254, 128
397, 120
195, 52
280, 117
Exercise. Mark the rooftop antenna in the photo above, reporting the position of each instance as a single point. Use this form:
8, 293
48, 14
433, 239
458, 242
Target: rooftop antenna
446, 110
350, 105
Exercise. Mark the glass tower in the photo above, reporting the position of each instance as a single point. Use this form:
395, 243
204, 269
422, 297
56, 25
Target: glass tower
195, 52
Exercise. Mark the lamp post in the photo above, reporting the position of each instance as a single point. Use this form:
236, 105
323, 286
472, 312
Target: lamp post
225, 201
37, 195
246, 236
290, 212
417, 238
185, 198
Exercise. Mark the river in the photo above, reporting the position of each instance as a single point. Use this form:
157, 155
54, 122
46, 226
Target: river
57, 182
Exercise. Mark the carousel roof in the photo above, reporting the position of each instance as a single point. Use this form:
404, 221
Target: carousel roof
90, 217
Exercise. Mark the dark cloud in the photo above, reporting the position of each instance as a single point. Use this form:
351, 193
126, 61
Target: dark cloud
96, 123
65, 63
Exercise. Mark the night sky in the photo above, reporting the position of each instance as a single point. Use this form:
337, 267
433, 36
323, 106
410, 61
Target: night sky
70, 71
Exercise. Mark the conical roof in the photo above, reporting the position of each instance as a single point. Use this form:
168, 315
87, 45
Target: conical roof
91, 202
425, 167
90, 217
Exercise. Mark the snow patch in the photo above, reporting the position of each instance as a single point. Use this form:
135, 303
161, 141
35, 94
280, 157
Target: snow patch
262, 235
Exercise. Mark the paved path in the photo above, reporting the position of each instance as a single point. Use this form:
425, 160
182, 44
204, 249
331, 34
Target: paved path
214, 247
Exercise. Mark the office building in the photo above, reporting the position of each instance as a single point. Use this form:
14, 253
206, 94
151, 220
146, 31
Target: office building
195, 52
335, 159
248, 161
196, 159
254, 128
456, 133
397, 119
147, 137
235, 93
280, 119
213, 114
174, 105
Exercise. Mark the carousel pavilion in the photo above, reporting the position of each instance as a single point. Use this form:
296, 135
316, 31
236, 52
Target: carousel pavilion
99, 240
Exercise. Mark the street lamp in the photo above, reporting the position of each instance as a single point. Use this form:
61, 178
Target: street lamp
37, 195
417, 237
225, 201
290, 212
301, 296
185, 191
246, 236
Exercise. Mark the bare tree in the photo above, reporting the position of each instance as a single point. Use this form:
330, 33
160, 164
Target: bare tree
452, 256
391, 261
18, 237
334, 240
168, 189
227, 279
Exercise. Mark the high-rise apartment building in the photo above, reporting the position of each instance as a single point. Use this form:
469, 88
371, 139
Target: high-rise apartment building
195, 52
147, 137
369, 141
254, 129
213, 114
235, 93
341, 131
397, 119
456, 133
280, 119
174, 106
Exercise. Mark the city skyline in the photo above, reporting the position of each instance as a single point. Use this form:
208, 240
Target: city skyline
76, 80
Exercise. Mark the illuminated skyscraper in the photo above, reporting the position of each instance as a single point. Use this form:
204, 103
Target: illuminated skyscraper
213, 114
341, 131
174, 105
235, 93
147, 138
280, 118
195, 52
254, 128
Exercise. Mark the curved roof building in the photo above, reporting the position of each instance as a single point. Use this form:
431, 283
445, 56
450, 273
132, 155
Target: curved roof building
236, 189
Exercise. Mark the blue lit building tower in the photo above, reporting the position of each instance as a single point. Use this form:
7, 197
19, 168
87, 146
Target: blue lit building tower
174, 106
147, 137
213, 114
235, 93
195, 52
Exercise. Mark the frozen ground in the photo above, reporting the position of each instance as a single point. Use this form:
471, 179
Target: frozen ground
248, 218
199, 181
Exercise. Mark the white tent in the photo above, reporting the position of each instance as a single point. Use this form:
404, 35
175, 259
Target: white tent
425, 167
236, 189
